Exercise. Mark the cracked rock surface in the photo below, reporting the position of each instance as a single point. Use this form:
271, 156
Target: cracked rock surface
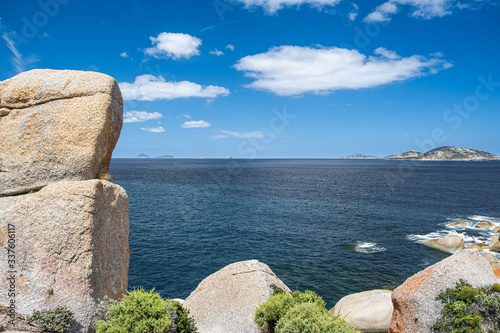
56, 125
71, 247
226, 300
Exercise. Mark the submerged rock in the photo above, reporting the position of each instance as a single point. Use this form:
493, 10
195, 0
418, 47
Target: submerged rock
415, 306
452, 243
484, 225
368, 311
226, 300
71, 244
458, 224
56, 125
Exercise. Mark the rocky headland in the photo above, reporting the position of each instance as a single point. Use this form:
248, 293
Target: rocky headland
447, 153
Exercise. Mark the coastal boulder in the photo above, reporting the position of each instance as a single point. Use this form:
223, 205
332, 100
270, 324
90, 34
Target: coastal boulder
368, 311
226, 300
415, 306
71, 247
495, 247
496, 229
494, 240
484, 225
458, 224
479, 246
56, 125
452, 243
493, 260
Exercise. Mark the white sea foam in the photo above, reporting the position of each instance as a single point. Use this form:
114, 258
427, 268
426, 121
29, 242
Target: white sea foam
469, 234
368, 247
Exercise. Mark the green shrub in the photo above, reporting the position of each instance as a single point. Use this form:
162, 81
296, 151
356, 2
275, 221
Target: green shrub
311, 318
277, 290
469, 309
52, 320
269, 312
145, 312
299, 312
495, 288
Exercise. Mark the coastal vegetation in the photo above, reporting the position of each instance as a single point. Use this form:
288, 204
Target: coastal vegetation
298, 312
56, 320
142, 312
469, 309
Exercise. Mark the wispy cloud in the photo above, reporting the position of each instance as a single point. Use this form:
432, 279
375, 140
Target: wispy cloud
184, 116
124, 55
140, 116
424, 9
295, 70
230, 47
272, 6
153, 129
174, 45
150, 88
216, 52
196, 124
241, 135
17, 58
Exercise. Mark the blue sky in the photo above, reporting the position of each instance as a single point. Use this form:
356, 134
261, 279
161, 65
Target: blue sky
276, 78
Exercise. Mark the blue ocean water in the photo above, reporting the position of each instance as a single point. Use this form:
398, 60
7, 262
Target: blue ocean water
332, 226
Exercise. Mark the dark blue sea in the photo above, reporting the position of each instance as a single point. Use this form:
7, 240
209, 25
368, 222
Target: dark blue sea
333, 226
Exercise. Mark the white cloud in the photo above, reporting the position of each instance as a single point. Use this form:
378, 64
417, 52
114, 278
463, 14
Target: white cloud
153, 129
174, 45
196, 124
140, 116
230, 47
294, 70
272, 6
124, 55
150, 88
352, 15
184, 116
241, 135
425, 9
216, 52
17, 58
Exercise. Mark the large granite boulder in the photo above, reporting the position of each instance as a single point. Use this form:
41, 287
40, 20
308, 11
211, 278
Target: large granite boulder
56, 125
368, 311
452, 243
71, 247
226, 300
415, 306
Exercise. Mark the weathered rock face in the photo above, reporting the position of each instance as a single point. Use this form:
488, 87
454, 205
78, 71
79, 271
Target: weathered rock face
368, 311
56, 125
484, 225
71, 247
452, 243
226, 300
415, 305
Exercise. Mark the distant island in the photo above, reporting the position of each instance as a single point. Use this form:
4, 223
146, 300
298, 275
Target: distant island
447, 153
142, 156
360, 157
167, 156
